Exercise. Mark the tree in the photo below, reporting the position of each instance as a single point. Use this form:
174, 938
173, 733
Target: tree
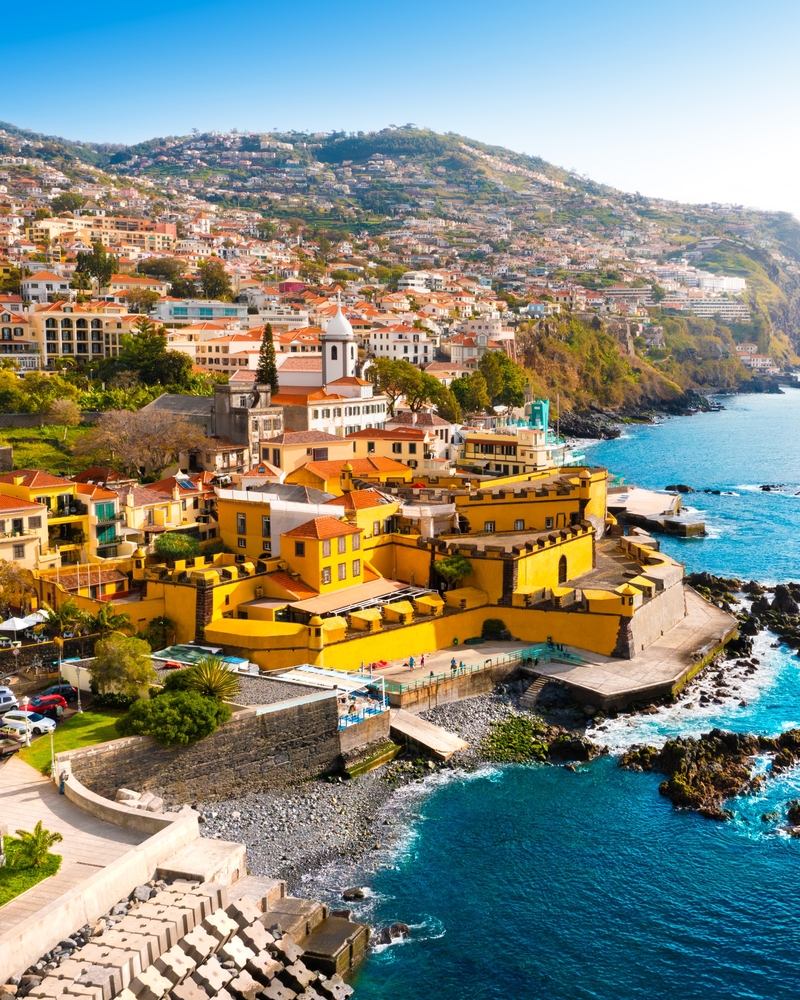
64, 413
453, 568
99, 263
172, 545
471, 392
15, 585
505, 380
122, 665
145, 353
167, 268
140, 300
267, 373
65, 618
176, 718
183, 288
215, 281
69, 201
107, 621
138, 442
211, 678
397, 379
447, 406
33, 847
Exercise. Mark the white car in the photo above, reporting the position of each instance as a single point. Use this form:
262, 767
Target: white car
21, 722
7, 700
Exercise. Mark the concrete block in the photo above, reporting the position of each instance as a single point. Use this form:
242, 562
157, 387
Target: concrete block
107, 956
309, 993
277, 991
135, 924
49, 987
175, 965
167, 915
244, 987
220, 926
85, 992
333, 988
236, 952
211, 976
297, 976
263, 967
198, 945
127, 795
243, 911
188, 990
285, 950
144, 945
219, 861
184, 901
256, 937
71, 968
109, 981
215, 892
265, 892
150, 985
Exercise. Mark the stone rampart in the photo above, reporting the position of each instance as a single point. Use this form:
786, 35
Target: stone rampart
258, 748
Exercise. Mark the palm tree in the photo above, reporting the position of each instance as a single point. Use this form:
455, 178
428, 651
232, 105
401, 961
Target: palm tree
210, 677
34, 847
65, 618
107, 621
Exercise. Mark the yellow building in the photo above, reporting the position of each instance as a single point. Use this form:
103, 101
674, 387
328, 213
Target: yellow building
295, 448
510, 450
67, 514
337, 477
325, 553
412, 446
24, 537
83, 331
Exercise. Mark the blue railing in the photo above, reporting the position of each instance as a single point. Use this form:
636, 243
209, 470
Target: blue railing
351, 718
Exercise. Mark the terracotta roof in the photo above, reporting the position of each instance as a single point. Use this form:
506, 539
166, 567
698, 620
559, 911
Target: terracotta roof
298, 363
423, 419
322, 528
100, 474
14, 503
359, 500
399, 433
360, 466
349, 380
94, 492
34, 479
45, 276
71, 581
287, 397
300, 590
302, 437
142, 497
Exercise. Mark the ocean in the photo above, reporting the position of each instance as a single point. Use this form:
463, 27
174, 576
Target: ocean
537, 882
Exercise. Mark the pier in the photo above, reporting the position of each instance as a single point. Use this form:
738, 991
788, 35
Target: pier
651, 510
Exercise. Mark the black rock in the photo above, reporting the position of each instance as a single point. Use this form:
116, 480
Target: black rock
783, 601
679, 488
350, 895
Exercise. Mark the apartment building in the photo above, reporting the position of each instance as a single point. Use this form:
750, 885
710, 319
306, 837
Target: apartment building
81, 330
111, 231
402, 343
24, 538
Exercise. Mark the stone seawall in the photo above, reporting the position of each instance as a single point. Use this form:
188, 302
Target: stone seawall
256, 750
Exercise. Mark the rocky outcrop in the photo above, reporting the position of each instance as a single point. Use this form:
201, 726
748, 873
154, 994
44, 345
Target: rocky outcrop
703, 774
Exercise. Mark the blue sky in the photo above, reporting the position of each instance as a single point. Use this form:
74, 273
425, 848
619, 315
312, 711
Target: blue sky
690, 100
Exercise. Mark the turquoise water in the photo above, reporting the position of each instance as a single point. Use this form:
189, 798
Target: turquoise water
535, 882
754, 441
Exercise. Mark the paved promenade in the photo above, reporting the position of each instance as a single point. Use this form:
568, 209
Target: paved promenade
89, 844
654, 671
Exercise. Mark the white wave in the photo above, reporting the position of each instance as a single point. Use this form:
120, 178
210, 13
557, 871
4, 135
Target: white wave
430, 929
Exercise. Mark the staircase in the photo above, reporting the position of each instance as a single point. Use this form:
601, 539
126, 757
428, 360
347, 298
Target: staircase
531, 693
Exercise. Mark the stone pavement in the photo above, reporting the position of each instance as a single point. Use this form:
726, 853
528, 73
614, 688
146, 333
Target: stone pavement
89, 844
439, 660
654, 671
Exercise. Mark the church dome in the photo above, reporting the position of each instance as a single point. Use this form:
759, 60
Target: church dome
339, 327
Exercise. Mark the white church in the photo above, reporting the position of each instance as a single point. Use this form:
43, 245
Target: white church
324, 393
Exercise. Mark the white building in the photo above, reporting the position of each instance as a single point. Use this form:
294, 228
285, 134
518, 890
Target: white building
402, 343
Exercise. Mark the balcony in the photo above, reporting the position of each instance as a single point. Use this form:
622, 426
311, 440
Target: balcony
110, 520
106, 542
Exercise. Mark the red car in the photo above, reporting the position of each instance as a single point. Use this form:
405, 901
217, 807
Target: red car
48, 705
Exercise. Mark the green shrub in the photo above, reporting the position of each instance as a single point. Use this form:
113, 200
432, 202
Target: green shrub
175, 718
176, 680
495, 628
113, 699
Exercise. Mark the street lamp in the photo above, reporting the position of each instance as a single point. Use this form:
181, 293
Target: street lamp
52, 756
78, 673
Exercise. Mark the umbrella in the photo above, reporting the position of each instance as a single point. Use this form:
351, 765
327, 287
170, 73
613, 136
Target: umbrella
14, 625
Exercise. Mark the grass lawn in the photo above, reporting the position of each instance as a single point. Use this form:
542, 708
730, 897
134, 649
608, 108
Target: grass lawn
14, 881
43, 448
94, 726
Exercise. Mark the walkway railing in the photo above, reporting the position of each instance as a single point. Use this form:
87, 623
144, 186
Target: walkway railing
543, 652
351, 718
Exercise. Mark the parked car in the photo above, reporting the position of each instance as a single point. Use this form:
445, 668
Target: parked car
7, 699
50, 705
66, 691
21, 721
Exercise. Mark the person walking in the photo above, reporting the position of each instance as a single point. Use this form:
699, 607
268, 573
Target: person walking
453, 664
411, 663
422, 661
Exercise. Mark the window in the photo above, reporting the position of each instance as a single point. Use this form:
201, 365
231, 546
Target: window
242, 543
376, 527
266, 528
34, 522
19, 551
356, 543
326, 547
519, 526
241, 524
412, 449
334, 353
320, 454
548, 522
356, 567
488, 525
562, 570
397, 448
299, 548
326, 575
342, 544
342, 569
370, 447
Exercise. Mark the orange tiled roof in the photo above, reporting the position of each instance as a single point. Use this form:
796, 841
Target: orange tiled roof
33, 478
359, 500
322, 528
360, 467
299, 589
14, 503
